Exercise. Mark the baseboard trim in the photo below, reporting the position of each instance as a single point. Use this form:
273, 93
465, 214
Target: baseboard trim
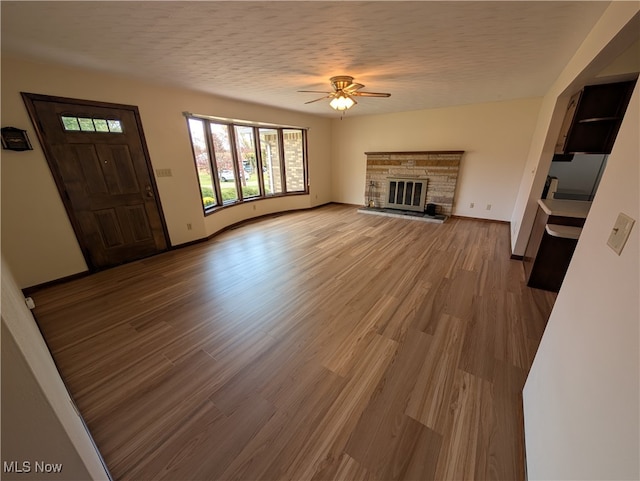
242, 222
27, 291
480, 219
524, 446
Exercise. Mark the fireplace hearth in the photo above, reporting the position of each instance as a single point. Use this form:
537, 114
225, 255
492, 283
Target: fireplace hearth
404, 214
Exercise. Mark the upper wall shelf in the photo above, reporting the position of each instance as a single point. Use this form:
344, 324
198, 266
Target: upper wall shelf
593, 118
597, 119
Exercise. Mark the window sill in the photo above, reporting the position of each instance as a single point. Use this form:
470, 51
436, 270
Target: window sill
212, 210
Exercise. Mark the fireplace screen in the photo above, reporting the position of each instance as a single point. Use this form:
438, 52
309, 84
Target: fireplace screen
407, 194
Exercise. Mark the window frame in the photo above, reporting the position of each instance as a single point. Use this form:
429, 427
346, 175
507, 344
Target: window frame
236, 156
214, 174
280, 160
95, 130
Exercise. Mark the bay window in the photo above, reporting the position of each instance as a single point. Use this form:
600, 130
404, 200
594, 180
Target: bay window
237, 162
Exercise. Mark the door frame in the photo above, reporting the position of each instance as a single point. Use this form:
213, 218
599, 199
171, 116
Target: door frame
28, 99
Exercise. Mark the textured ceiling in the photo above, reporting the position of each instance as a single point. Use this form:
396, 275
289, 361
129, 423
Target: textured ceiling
426, 54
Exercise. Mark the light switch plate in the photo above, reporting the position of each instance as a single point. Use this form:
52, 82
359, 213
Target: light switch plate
620, 232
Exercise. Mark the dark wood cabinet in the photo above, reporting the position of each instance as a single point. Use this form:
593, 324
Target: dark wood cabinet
547, 257
593, 118
567, 122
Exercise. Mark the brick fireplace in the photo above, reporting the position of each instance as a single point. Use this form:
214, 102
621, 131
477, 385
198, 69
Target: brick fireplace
438, 168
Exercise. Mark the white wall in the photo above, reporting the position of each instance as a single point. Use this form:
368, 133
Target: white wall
495, 137
39, 422
628, 61
581, 399
37, 237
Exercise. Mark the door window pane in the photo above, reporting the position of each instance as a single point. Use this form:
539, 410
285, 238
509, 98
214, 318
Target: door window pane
101, 125
224, 162
86, 125
294, 159
246, 147
70, 123
115, 126
203, 164
271, 172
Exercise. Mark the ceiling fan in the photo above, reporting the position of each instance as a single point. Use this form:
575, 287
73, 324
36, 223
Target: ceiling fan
344, 89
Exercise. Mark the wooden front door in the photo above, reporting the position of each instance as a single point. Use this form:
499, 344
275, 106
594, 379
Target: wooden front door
98, 157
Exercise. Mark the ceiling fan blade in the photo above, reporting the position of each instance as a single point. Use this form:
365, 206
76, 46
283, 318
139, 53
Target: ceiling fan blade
314, 91
370, 94
321, 98
353, 87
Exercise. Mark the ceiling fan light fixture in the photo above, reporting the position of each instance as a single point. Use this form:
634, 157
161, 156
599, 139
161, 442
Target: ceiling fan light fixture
344, 92
342, 102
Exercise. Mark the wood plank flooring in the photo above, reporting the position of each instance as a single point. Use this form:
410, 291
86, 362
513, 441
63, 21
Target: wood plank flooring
314, 345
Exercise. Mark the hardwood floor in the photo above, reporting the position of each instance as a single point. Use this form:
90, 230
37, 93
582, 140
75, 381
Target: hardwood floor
316, 345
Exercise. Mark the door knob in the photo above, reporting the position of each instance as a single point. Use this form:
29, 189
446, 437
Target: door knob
149, 191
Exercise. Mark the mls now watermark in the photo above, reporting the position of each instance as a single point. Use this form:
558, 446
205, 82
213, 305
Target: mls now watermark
28, 467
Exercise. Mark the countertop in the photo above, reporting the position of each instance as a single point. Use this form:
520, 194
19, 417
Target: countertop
565, 208
563, 231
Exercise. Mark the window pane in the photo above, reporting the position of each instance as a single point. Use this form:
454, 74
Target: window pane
115, 126
203, 166
86, 125
70, 123
246, 146
224, 162
271, 171
101, 125
294, 160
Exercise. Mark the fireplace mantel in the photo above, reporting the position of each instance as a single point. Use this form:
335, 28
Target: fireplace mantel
418, 152
439, 167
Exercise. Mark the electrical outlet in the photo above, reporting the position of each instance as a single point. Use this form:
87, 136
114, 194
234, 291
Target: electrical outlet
188, 226
472, 205
488, 206
620, 233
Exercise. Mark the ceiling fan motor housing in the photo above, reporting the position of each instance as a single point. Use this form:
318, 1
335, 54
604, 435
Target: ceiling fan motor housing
341, 82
